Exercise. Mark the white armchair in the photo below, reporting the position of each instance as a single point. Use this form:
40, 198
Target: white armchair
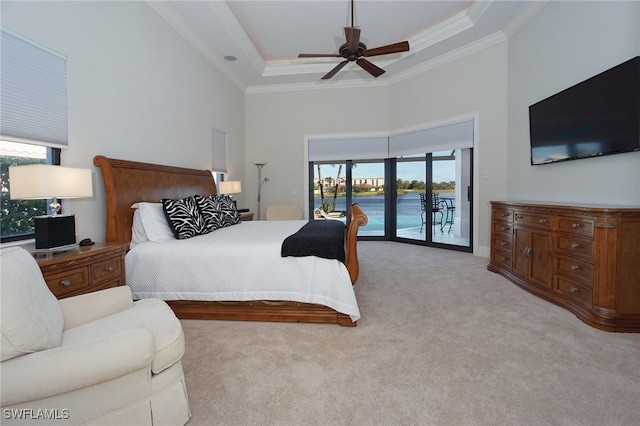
98, 358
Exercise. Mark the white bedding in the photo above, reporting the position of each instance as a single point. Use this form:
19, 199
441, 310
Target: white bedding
241, 262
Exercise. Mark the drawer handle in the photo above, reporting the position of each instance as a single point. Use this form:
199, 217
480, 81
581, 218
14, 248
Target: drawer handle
574, 267
109, 268
504, 228
502, 259
65, 283
576, 225
575, 245
502, 243
573, 289
543, 221
519, 216
505, 214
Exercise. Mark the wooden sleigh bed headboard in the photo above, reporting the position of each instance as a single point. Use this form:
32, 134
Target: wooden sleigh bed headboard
129, 182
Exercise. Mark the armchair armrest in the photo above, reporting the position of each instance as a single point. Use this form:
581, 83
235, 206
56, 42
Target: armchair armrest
88, 307
66, 368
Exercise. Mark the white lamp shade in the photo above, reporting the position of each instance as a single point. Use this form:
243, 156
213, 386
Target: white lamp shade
44, 181
230, 187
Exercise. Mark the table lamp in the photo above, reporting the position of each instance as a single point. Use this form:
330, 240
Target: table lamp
44, 181
231, 187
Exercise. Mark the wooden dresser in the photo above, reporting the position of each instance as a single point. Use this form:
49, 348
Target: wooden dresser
85, 269
583, 258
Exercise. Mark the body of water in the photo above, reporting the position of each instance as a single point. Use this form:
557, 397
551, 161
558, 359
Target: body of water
408, 210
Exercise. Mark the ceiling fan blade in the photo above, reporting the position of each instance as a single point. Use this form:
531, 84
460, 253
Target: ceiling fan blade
353, 37
335, 70
319, 55
370, 68
403, 46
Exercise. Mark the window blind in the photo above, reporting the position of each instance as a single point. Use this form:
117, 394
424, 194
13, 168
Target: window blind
33, 92
367, 148
434, 139
219, 151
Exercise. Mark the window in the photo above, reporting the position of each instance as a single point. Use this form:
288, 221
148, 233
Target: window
17, 215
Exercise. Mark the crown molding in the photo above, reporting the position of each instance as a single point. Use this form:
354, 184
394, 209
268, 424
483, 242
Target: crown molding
171, 17
229, 21
439, 61
530, 10
451, 56
318, 85
427, 38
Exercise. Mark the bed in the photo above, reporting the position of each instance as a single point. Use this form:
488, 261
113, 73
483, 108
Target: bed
127, 183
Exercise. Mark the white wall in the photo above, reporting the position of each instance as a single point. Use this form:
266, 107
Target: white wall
276, 125
472, 85
137, 90
564, 44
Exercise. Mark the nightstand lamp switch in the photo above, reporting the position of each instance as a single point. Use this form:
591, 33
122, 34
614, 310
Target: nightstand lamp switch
44, 181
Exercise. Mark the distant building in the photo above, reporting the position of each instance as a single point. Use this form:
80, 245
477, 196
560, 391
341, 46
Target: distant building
374, 183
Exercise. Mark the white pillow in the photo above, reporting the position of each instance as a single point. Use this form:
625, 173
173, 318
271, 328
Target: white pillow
154, 223
32, 319
138, 234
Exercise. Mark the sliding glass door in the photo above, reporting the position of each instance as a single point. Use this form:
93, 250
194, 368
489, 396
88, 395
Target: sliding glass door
432, 205
414, 187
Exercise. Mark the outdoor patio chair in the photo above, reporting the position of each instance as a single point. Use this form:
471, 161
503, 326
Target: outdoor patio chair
436, 207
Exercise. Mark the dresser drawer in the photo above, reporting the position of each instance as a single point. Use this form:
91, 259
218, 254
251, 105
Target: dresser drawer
107, 269
68, 282
538, 220
500, 242
503, 215
501, 259
505, 230
574, 291
572, 266
573, 245
575, 225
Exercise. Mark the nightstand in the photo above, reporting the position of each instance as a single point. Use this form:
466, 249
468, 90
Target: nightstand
83, 270
246, 216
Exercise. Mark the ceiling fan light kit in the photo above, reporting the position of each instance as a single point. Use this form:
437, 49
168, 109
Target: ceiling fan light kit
355, 51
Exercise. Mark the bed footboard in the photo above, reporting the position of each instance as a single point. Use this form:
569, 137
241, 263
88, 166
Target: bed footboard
357, 218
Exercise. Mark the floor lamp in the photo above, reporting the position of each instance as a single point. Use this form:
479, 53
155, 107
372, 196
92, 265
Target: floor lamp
260, 183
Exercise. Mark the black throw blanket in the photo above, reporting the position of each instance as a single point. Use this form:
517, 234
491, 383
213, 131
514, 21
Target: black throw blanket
322, 238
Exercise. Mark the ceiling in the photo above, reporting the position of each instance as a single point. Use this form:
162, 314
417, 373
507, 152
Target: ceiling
266, 36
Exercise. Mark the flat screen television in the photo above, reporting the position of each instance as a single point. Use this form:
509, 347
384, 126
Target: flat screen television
599, 116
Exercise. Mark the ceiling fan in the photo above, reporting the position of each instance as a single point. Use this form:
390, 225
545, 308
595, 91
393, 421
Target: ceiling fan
354, 50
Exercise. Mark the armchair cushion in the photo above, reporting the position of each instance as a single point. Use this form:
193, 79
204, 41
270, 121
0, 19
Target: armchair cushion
31, 316
152, 315
88, 307
69, 368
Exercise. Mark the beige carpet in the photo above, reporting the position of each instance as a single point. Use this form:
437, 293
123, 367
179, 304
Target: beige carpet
441, 341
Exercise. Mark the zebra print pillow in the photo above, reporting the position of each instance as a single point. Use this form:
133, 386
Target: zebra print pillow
211, 212
228, 211
184, 217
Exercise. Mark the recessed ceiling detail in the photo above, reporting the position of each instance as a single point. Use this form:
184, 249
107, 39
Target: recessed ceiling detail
267, 36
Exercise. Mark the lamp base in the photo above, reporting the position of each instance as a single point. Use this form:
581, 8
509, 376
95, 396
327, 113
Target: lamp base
55, 231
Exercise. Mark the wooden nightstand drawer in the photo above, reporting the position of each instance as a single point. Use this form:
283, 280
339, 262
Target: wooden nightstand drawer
68, 282
105, 270
84, 269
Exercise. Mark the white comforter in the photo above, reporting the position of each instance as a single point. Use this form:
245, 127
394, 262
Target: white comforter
241, 262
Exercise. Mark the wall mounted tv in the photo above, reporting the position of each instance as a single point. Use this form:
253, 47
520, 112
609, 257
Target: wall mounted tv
599, 116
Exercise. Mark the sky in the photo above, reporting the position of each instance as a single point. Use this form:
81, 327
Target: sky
443, 171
